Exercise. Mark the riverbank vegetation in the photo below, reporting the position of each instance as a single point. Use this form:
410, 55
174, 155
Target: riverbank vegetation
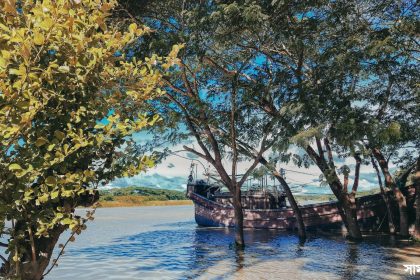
141, 196
139, 201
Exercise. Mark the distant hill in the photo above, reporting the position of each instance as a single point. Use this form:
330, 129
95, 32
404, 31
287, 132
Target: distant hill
154, 180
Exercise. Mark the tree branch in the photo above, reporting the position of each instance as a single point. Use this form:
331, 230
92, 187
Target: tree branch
384, 106
191, 127
346, 182
217, 160
319, 147
315, 157
229, 73
186, 82
196, 153
329, 153
257, 158
233, 133
61, 252
174, 87
3, 259
356, 174
375, 166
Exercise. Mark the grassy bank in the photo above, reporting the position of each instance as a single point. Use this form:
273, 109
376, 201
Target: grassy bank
141, 196
135, 201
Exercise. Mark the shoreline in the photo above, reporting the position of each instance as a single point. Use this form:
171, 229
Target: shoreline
131, 203
142, 201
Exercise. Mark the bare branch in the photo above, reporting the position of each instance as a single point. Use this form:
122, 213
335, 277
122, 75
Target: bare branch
211, 61
191, 150
191, 127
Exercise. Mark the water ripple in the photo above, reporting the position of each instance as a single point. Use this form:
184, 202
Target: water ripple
167, 246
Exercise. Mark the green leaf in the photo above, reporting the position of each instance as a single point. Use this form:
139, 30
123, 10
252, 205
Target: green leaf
43, 198
38, 38
14, 167
55, 194
50, 147
23, 104
40, 141
63, 69
59, 135
66, 221
51, 181
132, 28
47, 23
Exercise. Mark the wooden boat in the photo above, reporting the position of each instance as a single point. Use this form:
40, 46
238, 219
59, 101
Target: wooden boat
269, 210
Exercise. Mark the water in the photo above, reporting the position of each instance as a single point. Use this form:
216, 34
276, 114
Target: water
165, 243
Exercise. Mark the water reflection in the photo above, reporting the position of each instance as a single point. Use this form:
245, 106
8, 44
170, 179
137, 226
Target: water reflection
181, 250
352, 256
193, 252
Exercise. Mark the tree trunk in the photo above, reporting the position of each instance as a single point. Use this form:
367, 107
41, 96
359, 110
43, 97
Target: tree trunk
290, 198
37, 253
293, 204
239, 218
325, 168
347, 202
350, 211
399, 196
416, 233
391, 224
34, 270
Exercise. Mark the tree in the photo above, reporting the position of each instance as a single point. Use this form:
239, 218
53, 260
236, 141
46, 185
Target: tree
215, 69
391, 120
287, 44
202, 99
67, 93
325, 57
314, 70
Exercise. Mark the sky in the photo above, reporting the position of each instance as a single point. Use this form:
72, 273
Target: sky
173, 173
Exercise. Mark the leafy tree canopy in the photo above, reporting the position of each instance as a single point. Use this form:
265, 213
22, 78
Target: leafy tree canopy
69, 102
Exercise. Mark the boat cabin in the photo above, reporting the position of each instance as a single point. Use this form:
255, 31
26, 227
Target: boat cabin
251, 198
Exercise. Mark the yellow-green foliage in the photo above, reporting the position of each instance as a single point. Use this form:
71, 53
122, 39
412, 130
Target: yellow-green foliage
68, 103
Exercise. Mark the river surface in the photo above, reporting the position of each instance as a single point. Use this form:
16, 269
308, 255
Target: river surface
165, 243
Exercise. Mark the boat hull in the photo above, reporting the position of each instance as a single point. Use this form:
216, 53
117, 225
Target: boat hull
371, 215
